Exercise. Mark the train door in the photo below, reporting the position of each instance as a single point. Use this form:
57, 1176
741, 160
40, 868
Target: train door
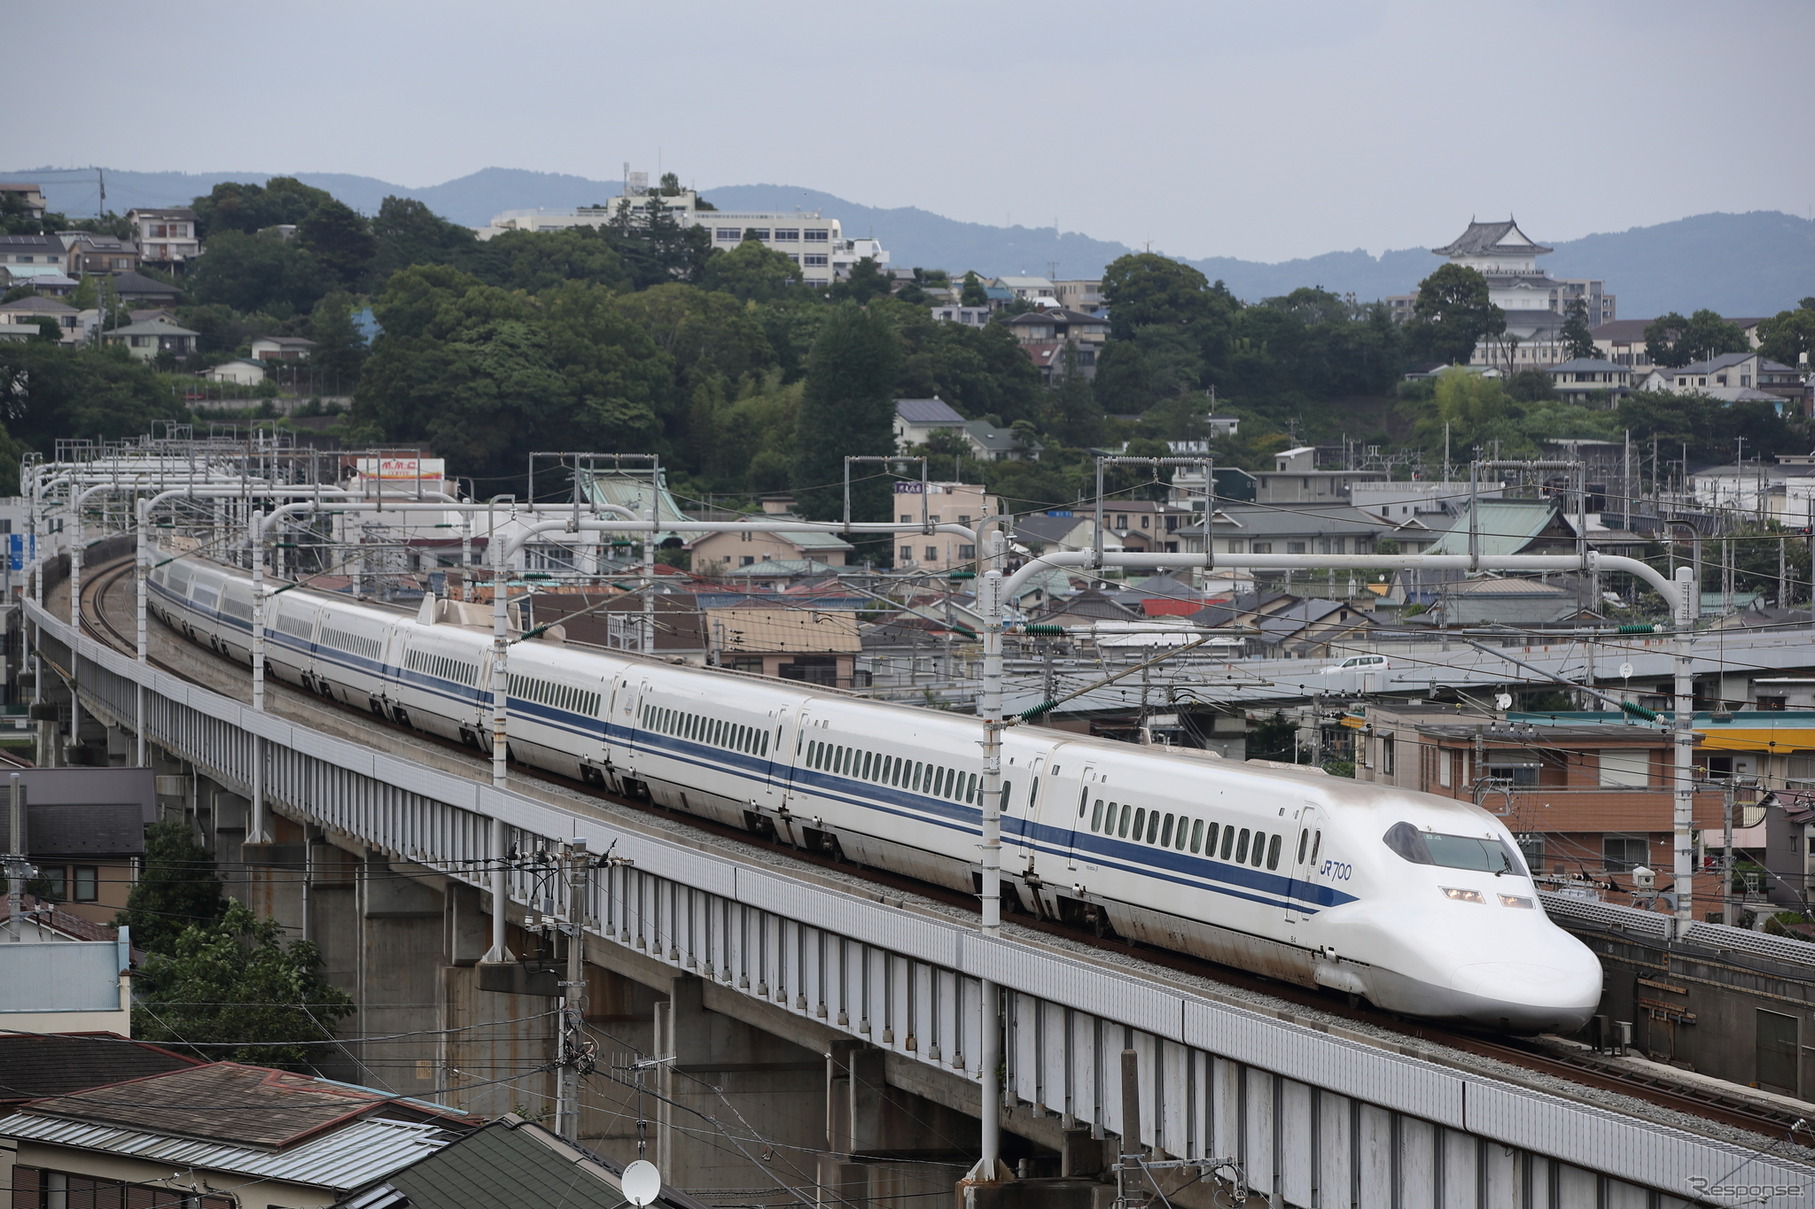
1021, 822
1079, 815
1304, 864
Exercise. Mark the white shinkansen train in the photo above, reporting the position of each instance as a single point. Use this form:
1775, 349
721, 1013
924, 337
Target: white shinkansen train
1416, 903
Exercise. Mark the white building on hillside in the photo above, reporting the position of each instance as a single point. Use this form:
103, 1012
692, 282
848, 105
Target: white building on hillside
816, 243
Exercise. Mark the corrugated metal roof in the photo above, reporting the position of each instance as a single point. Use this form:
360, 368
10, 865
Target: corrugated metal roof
1506, 527
345, 1158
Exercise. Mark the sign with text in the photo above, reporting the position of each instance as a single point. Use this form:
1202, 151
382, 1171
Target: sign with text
914, 487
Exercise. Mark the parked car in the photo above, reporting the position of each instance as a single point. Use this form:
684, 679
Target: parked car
1360, 663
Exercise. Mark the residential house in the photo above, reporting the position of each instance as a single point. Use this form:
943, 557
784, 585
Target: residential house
1285, 529
60, 973
86, 254
1591, 381
27, 256
30, 196
942, 503
510, 1161
616, 620
1500, 527
85, 831
281, 348
37, 1065
1623, 340
1733, 378
1055, 365
1027, 289
1063, 530
916, 420
27, 311
1591, 794
1051, 324
166, 237
153, 338
1510, 601
721, 553
46, 285
138, 290
1080, 295
240, 371
787, 641
1145, 526
248, 1137
1295, 479
992, 444
964, 316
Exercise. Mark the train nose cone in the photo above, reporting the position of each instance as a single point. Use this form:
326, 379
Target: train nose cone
1531, 996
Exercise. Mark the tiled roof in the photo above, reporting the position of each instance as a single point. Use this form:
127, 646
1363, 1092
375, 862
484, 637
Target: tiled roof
232, 1102
138, 283
34, 911
926, 411
1483, 238
34, 305
33, 1065
509, 1162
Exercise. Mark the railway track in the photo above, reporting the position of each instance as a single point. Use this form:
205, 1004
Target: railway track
1583, 1068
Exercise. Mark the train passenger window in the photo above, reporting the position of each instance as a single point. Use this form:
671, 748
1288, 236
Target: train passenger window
868, 758
970, 787
1153, 827
1260, 848
1304, 838
1273, 853
950, 786
1121, 828
1241, 847
1096, 814
1316, 844
1197, 835
1033, 793
1140, 820
1228, 841
1166, 832
812, 753
1008, 793
765, 744
1179, 842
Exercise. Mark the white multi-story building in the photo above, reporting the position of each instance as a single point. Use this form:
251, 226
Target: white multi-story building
816, 243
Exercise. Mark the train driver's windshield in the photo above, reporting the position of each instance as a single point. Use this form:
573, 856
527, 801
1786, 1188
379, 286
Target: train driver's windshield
1486, 853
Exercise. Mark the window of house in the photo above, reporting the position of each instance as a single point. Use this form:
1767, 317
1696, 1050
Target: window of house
971, 552
1386, 755
84, 884
1259, 547
812, 236
815, 260
932, 552
1295, 547
1773, 704
761, 233
787, 235
1623, 852
1520, 774
907, 554
728, 234
746, 560
1625, 769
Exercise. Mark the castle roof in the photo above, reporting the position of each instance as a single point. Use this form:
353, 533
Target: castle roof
1492, 238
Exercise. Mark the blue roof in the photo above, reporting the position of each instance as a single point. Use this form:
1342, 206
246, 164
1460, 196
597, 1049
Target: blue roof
927, 411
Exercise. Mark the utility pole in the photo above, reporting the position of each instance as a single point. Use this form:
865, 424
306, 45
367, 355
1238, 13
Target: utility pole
1726, 847
17, 868
572, 1052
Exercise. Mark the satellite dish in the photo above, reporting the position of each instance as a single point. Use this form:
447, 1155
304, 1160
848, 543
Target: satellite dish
1625, 671
1503, 701
641, 1182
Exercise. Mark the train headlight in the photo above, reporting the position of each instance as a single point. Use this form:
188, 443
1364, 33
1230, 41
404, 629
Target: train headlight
1463, 896
1516, 900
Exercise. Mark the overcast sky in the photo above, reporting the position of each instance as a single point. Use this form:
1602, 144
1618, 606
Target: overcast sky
1260, 130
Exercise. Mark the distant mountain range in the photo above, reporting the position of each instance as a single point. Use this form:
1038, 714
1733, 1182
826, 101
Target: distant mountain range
1738, 264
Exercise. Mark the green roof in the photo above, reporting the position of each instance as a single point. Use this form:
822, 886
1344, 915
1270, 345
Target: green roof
1505, 527
633, 491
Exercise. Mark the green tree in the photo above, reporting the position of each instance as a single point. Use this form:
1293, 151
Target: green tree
341, 239
407, 232
1073, 415
534, 261
973, 293
49, 391
1453, 314
339, 349
1531, 386
751, 272
1674, 341
1789, 336
847, 408
1577, 336
245, 207
261, 272
233, 990
178, 888
866, 281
